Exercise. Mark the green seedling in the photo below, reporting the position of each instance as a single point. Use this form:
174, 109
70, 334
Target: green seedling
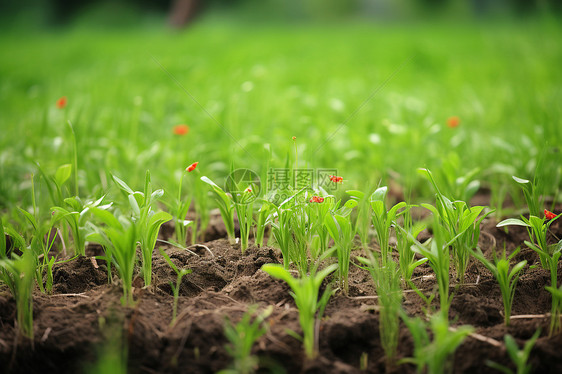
243, 193
318, 208
518, 356
180, 207
244, 212
242, 337
532, 195
119, 238
42, 240
175, 288
500, 269
18, 274
439, 260
363, 220
549, 254
305, 291
56, 185
262, 221
389, 297
41, 244
147, 221
407, 257
75, 214
290, 226
226, 207
434, 355
342, 233
383, 220
462, 224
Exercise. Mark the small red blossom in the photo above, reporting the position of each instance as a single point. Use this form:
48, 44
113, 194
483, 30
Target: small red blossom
548, 214
61, 103
336, 179
453, 122
191, 167
248, 189
317, 199
181, 130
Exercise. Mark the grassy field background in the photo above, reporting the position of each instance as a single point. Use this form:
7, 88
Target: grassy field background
245, 89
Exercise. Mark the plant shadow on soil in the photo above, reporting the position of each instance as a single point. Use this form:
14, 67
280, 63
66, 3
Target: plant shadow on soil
68, 325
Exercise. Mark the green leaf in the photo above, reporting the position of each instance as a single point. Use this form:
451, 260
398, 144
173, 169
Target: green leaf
278, 271
29, 217
63, 173
520, 180
356, 194
350, 204
107, 217
512, 222
134, 205
379, 194
122, 185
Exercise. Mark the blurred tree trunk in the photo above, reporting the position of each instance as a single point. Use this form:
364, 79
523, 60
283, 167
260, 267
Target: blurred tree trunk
182, 12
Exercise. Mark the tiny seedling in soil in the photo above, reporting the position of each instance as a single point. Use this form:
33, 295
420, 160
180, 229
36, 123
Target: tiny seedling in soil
500, 269
175, 288
434, 354
518, 356
305, 291
242, 337
226, 208
386, 277
119, 238
549, 254
19, 273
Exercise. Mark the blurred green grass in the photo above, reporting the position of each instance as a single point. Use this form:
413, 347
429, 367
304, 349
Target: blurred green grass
265, 83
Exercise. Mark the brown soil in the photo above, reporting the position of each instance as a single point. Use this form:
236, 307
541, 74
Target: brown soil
75, 323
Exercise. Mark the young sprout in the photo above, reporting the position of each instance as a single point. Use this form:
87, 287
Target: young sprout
262, 221
438, 255
180, 207
404, 243
383, 219
119, 238
342, 233
242, 337
175, 288
518, 356
147, 221
363, 221
507, 279
290, 227
462, 226
549, 254
18, 274
531, 193
226, 207
389, 296
435, 354
305, 291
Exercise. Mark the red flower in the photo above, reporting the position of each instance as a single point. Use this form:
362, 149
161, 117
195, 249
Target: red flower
549, 215
336, 179
453, 122
191, 167
248, 190
61, 103
181, 129
317, 199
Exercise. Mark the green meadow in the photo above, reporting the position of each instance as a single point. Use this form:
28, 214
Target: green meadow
369, 100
